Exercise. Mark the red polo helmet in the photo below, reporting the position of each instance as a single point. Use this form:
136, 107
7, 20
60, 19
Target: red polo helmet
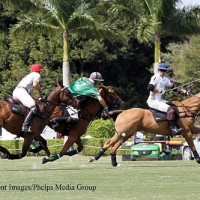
36, 68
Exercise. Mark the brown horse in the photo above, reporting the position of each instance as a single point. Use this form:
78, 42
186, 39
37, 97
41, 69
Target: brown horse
12, 122
137, 119
90, 108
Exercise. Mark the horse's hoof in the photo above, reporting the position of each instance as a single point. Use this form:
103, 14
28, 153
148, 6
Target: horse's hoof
118, 165
198, 160
45, 160
115, 164
4, 156
91, 159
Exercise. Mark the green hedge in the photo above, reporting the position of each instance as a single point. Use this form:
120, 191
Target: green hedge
91, 146
101, 128
15, 146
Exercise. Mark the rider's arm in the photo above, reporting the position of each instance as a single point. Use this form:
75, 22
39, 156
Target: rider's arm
152, 84
102, 102
152, 88
36, 85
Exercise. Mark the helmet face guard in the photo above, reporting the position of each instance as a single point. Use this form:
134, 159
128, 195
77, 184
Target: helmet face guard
96, 76
36, 68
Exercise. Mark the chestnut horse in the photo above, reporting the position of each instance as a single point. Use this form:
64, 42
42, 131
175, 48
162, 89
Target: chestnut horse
13, 122
90, 108
137, 119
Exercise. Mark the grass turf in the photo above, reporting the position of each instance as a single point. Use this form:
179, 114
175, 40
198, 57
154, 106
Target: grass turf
142, 180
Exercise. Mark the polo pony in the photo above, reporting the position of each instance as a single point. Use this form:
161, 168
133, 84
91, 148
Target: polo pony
90, 108
137, 119
12, 121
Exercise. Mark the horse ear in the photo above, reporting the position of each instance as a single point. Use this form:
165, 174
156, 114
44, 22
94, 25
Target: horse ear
60, 84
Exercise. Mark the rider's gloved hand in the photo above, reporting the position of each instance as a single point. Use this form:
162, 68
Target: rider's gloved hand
161, 91
105, 111
42, 97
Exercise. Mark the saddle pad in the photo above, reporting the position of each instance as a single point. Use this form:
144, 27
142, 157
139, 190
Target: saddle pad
18, 109
158, 116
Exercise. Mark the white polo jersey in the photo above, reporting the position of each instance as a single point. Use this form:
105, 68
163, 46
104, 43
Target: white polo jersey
27, 81
160, 83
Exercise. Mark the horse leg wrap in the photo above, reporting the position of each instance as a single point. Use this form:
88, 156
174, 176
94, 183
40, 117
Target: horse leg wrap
101, 152
113, 159
72, 152
196, 156
55, 157
36, 150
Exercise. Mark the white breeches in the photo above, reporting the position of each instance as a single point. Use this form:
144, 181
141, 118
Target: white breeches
158, 105
23, 96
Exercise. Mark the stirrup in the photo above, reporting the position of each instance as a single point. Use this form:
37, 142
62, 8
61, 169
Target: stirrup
26, 129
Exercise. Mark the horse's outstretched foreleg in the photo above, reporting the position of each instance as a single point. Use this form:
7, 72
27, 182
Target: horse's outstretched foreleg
116, 139
101, 151
189, 139
76, 150
72, 138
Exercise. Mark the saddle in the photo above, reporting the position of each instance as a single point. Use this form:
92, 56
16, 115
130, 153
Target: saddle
172, 113
158, 115
18, 108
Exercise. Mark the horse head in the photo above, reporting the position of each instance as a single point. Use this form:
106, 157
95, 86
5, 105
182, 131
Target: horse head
60, 95
112, 100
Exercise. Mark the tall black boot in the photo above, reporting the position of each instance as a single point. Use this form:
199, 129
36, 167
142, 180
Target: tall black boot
27, 121
56, 121
173, 128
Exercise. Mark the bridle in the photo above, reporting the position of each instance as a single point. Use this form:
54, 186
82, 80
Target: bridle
45, 101
187, 109
116, 101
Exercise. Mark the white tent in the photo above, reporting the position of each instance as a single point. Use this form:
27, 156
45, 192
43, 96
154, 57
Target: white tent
48, 133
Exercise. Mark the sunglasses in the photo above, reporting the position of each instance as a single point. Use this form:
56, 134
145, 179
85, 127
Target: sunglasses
163, 70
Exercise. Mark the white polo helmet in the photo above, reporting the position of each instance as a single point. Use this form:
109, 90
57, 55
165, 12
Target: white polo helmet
96, 76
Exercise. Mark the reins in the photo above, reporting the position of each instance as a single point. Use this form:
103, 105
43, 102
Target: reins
197, 80
185, 108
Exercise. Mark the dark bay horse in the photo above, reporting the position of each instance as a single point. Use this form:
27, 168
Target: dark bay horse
13, 122
89, 109
137, 119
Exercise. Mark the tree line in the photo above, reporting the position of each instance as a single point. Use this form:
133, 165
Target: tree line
119, 38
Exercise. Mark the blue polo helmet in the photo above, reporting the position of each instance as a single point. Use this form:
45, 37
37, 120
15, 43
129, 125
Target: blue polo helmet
163, 66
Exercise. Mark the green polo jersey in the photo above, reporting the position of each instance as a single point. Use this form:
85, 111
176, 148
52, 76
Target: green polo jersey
83, 87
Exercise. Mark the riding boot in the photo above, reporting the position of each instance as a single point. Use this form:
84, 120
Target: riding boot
173, 128
56, 121
27, 121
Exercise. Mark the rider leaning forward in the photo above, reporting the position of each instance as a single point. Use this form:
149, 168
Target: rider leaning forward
83, 87
23, 90
157, 86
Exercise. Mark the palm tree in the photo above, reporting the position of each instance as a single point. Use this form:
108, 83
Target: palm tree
153, 19
173, 21
67, 16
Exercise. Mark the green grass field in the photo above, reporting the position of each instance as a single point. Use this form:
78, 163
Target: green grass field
29, 179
